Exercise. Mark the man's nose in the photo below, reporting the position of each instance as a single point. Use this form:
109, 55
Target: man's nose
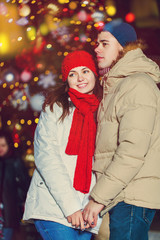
97, 49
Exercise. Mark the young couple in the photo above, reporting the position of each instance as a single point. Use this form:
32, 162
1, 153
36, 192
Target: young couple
68, 194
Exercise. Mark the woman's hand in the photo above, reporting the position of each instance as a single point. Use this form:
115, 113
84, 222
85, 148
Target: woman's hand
76, 219
91, 211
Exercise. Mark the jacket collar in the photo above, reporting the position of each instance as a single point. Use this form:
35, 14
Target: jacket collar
131, 62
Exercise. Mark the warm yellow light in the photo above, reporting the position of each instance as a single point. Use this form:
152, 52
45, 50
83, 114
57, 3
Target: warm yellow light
29, 122
111, 10
11, 86
96, 25
35, 79
65, 53
78, 22
10, 32
4, 43
33, 38
72, 5
32, 17
24, 98
4, 85
89, 26
16, 145
88, 39
22, 121
72, 22
2, 64
28, 143
93, 43
101, 8
16, 84
59, 53
31, 33
44, 29
62, 1
36, 120
9, 122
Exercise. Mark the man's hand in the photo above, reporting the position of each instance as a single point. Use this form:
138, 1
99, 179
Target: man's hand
91, 211
76, 219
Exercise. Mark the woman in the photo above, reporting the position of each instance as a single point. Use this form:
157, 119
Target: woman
14, 182
64, 147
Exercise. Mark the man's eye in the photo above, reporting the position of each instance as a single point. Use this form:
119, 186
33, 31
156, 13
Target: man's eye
104, 44
96, 45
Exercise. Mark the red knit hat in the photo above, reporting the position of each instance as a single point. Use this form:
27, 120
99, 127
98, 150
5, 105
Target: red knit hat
77, 59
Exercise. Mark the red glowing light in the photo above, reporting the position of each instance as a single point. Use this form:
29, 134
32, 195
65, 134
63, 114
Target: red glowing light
130, 17
76, 38
65, 9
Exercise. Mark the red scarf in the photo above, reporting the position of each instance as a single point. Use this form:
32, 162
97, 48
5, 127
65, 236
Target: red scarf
81, 139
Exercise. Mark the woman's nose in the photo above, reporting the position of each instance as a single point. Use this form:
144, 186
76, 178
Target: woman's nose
80, 77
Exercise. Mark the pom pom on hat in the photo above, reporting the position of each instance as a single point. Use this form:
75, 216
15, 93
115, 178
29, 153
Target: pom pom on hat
77, 58
123, 32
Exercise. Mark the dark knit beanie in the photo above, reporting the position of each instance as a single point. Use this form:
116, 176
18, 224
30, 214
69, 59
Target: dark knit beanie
77, 58
123, 32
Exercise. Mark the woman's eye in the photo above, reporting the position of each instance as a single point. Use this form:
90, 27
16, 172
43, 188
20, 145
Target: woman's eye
71, 75
86, 71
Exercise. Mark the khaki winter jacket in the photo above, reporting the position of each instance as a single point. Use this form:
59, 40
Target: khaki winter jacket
127, 155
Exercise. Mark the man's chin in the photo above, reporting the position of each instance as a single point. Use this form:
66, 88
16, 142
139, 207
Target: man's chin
101, 66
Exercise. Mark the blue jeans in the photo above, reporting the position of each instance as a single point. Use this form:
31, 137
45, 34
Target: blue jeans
8, 233
55, 231
129, 222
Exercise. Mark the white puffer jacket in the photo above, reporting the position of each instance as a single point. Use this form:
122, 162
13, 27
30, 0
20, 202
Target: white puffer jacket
51, 195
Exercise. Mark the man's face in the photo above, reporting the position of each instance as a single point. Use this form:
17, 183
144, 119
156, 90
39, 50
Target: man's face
107, 49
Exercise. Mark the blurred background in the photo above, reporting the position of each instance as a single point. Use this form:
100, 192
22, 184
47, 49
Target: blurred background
35, 35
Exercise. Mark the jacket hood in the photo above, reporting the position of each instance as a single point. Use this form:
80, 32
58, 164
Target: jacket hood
132, 62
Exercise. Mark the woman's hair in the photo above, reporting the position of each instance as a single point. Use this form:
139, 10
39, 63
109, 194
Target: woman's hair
59, 95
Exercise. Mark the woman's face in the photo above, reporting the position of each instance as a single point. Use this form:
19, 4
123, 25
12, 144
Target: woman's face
82, 79
3, 146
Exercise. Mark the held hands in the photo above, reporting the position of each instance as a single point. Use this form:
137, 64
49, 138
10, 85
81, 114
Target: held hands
87, 218
76, 219
91, 212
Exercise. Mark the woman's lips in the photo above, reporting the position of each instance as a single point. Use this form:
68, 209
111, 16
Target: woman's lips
82, 85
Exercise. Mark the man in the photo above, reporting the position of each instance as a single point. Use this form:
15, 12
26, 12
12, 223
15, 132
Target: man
127, 155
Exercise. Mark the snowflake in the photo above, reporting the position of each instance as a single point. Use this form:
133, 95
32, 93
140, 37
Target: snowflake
63, 31
60, 31
47, 80
17, 100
